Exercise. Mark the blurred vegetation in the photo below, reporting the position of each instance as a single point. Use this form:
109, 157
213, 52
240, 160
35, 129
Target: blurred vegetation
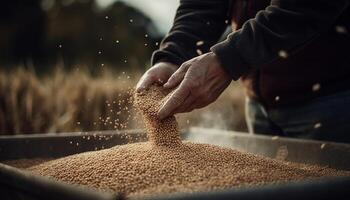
65, 101
68, 65
38, 34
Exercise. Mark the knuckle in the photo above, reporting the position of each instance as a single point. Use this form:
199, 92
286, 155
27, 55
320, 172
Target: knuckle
149, 76
184, 64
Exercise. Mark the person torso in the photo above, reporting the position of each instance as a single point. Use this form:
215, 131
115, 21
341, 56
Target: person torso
319, 68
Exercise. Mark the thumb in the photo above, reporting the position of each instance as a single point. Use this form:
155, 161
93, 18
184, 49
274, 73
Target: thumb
176, 78
144, 83
175, 100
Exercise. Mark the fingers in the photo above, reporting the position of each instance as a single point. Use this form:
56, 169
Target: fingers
202, 101
174, 101
186, 105
176, 78
195, 105
144, 83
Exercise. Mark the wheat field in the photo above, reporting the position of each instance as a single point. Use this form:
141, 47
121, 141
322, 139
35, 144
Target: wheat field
75, 100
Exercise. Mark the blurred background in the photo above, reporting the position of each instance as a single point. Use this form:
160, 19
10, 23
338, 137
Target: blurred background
71, 65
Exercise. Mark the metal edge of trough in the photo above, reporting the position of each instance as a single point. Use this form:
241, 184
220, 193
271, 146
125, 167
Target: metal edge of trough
320, 189
65, 134
45, 188
335, 155
324, 153
18, 184
63, 144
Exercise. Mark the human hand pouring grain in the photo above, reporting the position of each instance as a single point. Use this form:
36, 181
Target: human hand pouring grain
163, 132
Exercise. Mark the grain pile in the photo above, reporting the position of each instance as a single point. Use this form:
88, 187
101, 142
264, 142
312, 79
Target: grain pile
166, 165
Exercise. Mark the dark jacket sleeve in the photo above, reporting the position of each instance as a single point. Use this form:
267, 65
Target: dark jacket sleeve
285, 25
198, 25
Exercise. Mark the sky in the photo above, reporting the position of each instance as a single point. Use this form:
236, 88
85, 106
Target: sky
161, 12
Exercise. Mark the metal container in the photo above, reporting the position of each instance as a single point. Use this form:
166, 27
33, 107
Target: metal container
17, 184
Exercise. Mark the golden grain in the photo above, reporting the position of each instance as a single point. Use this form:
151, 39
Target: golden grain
165, 165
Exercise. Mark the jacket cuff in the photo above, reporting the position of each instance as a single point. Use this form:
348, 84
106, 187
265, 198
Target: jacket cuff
162, 56
230, 59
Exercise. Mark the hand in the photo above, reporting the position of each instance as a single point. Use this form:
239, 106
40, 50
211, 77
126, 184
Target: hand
159, 73
200, 82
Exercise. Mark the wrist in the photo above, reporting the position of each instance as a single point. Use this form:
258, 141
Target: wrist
167, 64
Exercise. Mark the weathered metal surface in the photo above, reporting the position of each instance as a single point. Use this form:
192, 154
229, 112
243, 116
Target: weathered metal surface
320, 189
16, 184
335, 155
63, 144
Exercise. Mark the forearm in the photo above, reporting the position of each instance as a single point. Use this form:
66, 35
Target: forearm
198, 24
285, 25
